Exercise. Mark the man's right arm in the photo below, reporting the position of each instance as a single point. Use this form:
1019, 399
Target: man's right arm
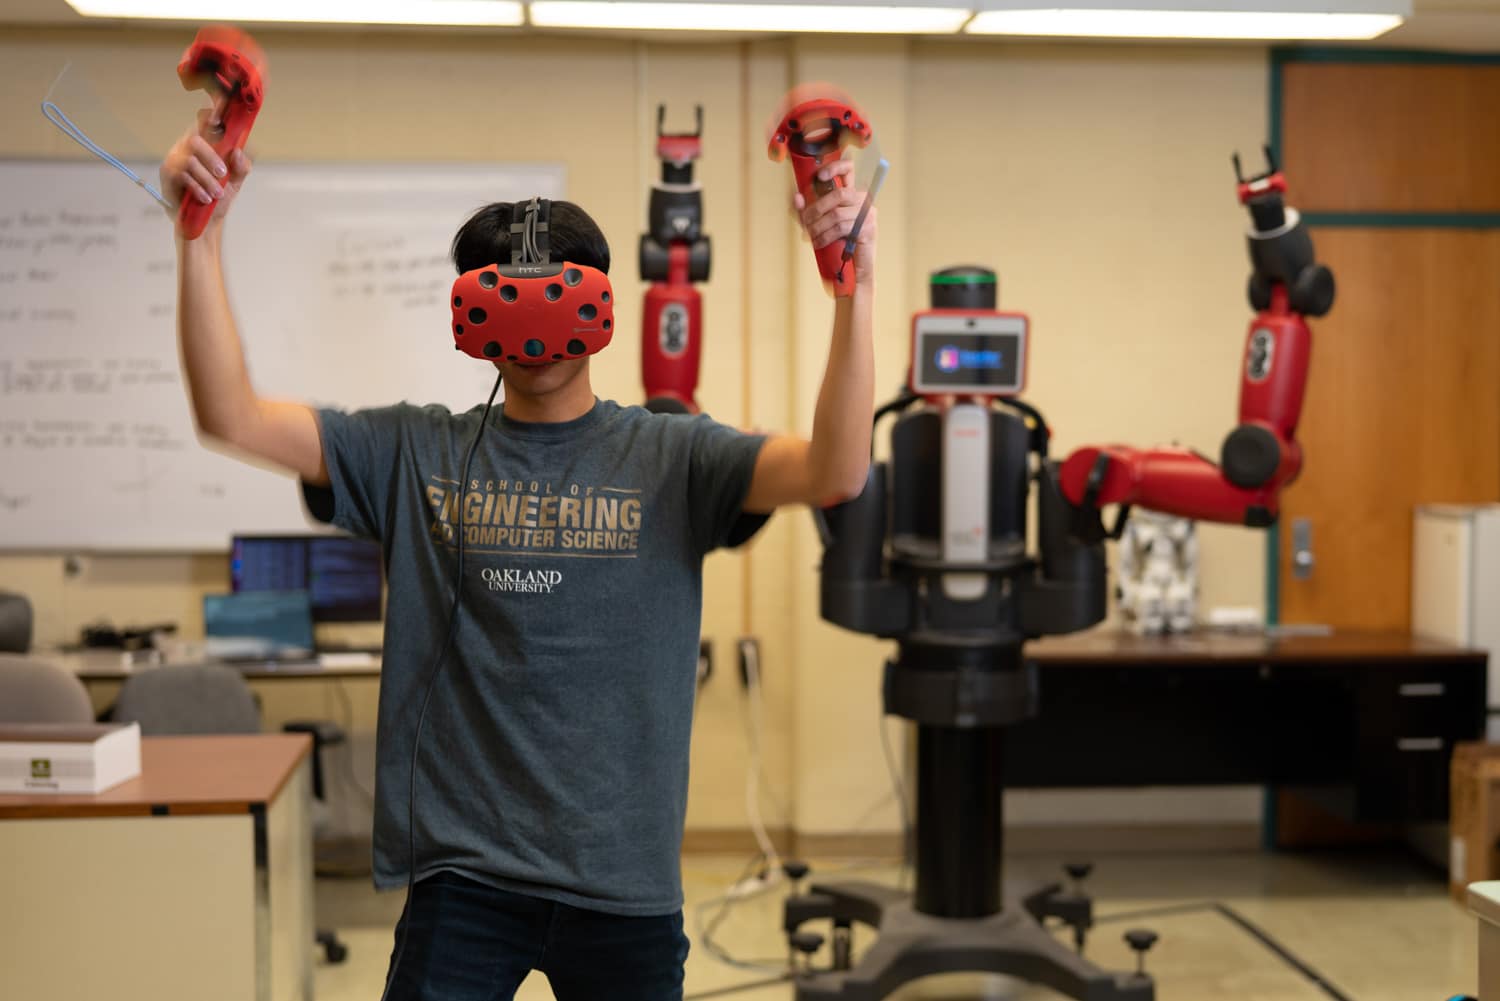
224, 402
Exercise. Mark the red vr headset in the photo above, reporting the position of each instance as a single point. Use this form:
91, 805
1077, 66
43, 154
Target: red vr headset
532, 310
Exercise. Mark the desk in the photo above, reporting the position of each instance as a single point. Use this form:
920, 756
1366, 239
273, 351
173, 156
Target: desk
287, 692
192, 881
1361, 723
112, 665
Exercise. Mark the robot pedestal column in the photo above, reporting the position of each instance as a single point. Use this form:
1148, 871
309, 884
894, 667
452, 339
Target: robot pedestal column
960, 696
958, 834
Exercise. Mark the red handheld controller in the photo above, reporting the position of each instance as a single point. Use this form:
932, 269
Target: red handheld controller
228, 64
818, 123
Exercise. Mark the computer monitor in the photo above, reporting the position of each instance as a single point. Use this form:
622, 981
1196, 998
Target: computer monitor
258, 625
341, 575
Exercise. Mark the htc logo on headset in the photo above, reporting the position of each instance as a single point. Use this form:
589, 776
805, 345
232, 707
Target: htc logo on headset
521, 269
521, 581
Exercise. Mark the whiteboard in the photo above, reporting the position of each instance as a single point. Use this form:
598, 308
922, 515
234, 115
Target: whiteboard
338, 275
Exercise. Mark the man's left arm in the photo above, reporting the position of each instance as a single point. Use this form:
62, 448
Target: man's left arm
832, 465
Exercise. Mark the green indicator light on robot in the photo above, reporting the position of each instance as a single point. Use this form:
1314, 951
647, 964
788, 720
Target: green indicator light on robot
963, 280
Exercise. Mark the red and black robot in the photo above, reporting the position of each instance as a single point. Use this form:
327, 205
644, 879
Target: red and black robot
674, 255
1261, 455
938, 554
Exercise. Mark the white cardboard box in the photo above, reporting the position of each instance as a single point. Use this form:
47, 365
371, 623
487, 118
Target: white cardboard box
68, 757
1455, 582
1484, 903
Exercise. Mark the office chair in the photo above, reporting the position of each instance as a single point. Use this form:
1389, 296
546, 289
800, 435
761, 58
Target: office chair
212, 698
188, 699
33, 690
15, 623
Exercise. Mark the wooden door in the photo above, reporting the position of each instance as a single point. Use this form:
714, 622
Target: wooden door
1403, 408
1403, 400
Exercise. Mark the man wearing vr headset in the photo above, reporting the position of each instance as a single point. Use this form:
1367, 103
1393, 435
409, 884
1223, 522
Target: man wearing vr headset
551, 773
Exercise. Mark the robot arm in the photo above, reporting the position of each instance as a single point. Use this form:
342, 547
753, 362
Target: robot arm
674, 254
1261, 455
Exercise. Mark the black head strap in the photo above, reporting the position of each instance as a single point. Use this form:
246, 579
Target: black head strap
530, 242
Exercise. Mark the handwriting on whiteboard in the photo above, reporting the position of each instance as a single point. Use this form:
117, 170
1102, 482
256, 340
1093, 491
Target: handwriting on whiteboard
37, 434
45, 377
75, 234
384, 266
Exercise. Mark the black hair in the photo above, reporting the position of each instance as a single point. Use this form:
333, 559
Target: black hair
485, 238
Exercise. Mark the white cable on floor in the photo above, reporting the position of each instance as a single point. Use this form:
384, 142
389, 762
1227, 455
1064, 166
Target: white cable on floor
750, 656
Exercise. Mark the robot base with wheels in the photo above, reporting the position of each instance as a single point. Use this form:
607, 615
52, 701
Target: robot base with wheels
946, 574
960, 917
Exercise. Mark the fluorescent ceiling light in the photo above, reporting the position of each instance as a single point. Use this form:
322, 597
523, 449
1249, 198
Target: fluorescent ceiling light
1230, 24
678, 15
1225, 19
449, 12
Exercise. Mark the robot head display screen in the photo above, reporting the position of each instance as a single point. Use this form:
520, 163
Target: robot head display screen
968, 354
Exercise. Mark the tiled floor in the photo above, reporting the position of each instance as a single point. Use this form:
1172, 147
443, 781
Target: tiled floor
1376, 927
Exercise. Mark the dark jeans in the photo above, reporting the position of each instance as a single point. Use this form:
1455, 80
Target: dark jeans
466, 941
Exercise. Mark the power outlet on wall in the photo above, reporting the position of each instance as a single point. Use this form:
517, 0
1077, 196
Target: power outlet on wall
748, 648
705, 661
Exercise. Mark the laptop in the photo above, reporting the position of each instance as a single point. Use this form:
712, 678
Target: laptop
258, 626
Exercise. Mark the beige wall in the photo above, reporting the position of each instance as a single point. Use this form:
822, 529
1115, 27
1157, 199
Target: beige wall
1094, 178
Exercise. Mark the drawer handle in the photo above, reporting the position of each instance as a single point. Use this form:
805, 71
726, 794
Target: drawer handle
1424, 690
1419, 744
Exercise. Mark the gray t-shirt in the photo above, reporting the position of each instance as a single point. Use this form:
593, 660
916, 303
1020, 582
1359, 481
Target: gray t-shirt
554, 756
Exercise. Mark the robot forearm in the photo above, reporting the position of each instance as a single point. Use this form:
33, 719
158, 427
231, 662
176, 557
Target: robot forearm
1172, 481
